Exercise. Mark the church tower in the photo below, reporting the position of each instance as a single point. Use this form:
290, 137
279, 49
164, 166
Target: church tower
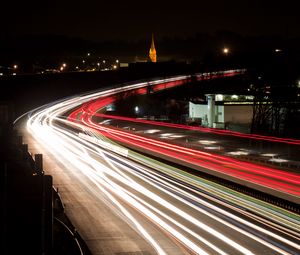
152, 51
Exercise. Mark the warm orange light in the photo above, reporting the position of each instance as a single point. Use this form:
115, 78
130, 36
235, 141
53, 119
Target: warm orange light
152, 51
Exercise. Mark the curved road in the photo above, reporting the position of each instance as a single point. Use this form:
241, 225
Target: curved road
121, 201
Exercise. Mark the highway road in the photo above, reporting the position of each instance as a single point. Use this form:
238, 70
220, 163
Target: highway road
127, 202
284, 184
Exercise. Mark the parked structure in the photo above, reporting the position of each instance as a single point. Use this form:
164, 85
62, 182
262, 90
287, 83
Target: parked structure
219, 111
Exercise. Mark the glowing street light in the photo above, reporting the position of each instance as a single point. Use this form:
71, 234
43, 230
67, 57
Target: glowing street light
225, 50
117, 61
103, 61
88, 54
98, 64
136, 109
15, 66
64, 65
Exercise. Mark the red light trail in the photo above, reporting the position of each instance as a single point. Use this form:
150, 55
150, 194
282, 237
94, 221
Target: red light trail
265, 176
196, 215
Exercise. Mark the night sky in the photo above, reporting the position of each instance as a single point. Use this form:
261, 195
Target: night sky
130, 19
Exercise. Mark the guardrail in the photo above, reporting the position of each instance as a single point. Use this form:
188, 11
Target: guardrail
72, 233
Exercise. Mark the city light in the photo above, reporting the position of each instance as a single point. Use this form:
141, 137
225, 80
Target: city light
64, 65
88, 54
219, 97
117, 61
15, 66
225, 50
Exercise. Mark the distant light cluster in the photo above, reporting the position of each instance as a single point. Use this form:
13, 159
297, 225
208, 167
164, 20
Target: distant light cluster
86, 63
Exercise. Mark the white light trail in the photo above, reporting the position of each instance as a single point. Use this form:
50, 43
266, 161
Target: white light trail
107, 166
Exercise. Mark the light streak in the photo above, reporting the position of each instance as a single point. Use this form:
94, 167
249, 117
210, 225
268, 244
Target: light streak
273, 178
203, 129
125, 184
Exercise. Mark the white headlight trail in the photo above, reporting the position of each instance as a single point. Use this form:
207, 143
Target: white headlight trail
215, 208
120, 181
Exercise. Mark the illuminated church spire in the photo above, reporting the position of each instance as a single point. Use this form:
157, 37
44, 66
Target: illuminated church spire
152, 51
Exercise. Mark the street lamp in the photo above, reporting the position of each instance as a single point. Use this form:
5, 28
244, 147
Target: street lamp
225, 50
15, 67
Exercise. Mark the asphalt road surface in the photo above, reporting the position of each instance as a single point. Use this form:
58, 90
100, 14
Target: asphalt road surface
123, 202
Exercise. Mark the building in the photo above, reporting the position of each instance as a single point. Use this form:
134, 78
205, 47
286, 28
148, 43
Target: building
152, 51
223, 111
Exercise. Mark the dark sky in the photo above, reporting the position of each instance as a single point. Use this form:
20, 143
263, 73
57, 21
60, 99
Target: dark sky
130, 19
